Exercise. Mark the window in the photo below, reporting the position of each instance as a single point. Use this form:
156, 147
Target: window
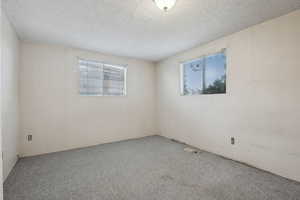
99, 79
205, 75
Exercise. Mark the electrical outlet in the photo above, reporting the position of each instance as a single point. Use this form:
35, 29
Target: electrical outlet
29, 138
232, 140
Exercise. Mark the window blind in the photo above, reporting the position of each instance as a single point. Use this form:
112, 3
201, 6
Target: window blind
99, 79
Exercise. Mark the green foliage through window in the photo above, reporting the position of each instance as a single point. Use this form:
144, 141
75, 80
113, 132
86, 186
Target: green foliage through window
206, 75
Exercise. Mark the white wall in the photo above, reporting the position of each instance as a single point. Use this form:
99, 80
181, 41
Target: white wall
261, 109
9, 95
59, 118
1, 164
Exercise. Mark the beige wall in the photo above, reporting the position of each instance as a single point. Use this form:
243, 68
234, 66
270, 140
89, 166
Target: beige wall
262, 106
9, 95
1, 158
59, 118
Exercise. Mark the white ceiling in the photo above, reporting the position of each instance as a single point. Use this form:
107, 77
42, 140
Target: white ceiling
137, 28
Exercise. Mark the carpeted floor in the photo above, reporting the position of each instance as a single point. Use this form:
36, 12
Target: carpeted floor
151, 168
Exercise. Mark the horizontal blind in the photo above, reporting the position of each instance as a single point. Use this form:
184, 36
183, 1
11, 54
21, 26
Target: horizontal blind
101, 79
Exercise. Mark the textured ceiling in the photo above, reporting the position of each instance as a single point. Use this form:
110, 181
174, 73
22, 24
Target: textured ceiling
137, 28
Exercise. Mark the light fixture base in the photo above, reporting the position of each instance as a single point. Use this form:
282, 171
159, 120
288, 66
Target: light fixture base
165, 5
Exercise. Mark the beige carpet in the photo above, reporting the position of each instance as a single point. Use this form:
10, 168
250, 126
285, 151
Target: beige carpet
151, 168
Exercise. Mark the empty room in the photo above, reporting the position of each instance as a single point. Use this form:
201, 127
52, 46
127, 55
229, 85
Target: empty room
150, 100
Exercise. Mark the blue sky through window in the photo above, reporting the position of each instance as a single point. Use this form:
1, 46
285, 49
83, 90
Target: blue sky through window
204, 72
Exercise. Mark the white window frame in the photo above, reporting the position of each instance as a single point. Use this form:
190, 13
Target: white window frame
224, 50
124, 67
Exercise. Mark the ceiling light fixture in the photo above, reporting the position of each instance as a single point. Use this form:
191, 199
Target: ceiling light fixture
165, 5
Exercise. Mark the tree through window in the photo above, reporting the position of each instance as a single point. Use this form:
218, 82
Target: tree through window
206, 75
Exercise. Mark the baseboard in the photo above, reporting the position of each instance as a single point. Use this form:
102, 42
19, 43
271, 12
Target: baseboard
82, 147
238, 161
11, 168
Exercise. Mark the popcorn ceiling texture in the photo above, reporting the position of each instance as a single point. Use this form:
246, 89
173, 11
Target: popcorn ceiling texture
151, 168
137, 28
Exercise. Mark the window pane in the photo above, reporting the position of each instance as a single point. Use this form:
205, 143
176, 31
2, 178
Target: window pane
100, 79
205, 75
193, 77
215, 74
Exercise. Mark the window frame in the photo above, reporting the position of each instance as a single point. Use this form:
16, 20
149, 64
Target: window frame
182, 63
119, 66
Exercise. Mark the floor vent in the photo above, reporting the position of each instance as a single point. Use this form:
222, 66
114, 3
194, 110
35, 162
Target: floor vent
190, 150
